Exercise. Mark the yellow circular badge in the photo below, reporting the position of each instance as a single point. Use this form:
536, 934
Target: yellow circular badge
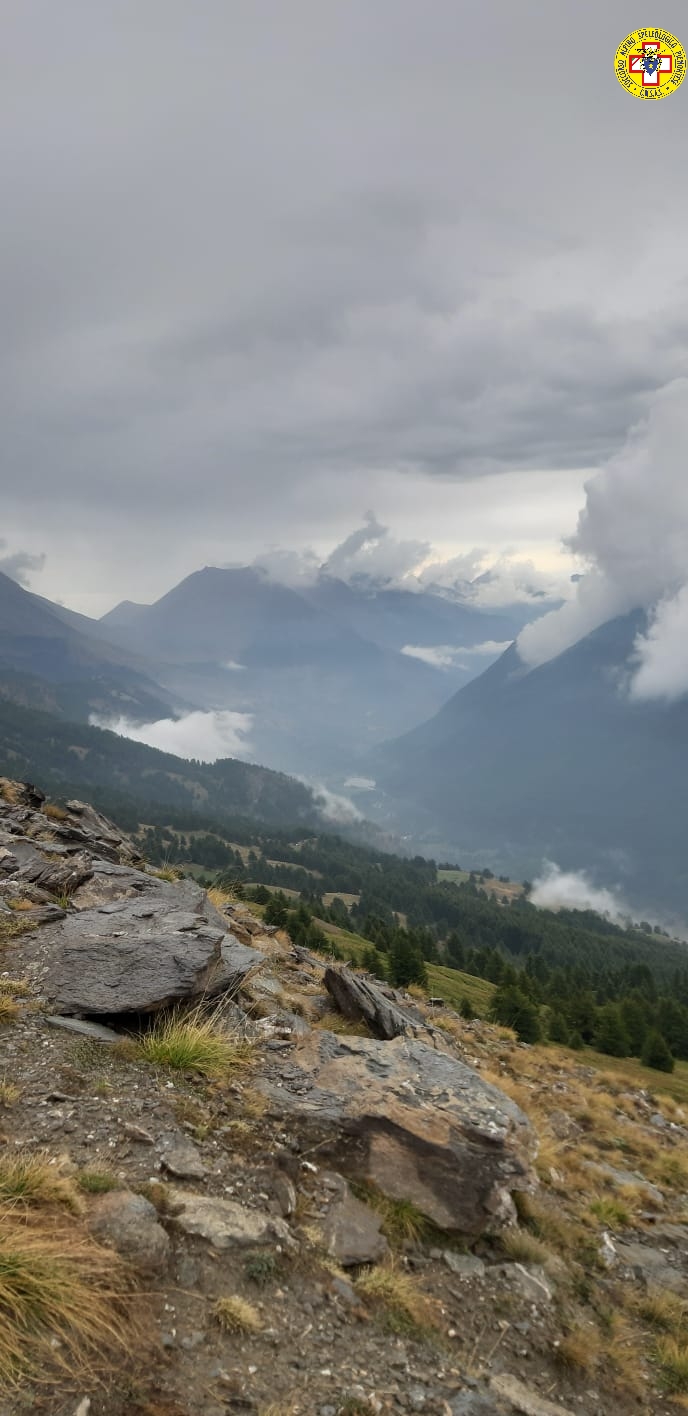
650, 63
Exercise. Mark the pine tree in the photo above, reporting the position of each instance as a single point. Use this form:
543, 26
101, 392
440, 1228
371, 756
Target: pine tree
610, 1034
657, 1053
558, 1029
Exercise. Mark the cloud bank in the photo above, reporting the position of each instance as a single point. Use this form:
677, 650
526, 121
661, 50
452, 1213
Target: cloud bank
19, 565
572, 889
199, 736
373, 553
632, 535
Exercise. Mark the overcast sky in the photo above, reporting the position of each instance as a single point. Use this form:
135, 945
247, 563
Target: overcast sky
270, 264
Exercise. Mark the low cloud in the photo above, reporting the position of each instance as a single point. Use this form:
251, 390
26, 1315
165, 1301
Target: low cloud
449, 656
573, 890
372, 552
633, 536
20, 565
661, 655
203, 737
334, 807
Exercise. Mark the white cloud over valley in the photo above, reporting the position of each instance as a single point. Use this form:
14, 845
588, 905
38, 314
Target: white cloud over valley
204, 737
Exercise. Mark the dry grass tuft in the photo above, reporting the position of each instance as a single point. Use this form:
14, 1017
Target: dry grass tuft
526, 1248
97, 1182
9, 1010
64, 1304
10, 791
12, 927
9, 1092
611, 1212
662, 1309
579, 1350
237, 1316
32, 1179
55, 812
404, 1305
193, 1042
672, 1357
337, 1023
402, 1222
15, 987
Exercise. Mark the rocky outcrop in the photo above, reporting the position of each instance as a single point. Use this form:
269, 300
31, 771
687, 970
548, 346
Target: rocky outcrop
415, 1122
121, 941
363, 1001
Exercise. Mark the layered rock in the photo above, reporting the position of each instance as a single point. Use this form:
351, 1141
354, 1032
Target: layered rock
417, 1123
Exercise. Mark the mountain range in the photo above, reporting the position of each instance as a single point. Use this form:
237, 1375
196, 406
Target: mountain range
321, 675
555, 762
509, 767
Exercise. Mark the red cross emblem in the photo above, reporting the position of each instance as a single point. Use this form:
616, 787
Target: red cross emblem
651, 63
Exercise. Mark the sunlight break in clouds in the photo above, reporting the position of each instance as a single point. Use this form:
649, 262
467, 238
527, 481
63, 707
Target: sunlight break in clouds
571, 889
203, 737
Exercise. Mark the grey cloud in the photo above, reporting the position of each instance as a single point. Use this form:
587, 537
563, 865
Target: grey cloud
254, 250
20, 565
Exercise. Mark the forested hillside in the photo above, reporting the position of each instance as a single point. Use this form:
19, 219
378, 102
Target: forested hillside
570, 975
130, 780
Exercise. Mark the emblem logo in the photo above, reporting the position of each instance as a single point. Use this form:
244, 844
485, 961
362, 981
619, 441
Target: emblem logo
650, 63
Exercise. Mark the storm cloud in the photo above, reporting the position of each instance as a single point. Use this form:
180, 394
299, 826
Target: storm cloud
265, 265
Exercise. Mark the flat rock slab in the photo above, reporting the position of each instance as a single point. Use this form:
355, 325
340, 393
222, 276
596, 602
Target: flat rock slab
226, 1224
111, 974
85, 1029
417, 1123
523, 1399
139, 953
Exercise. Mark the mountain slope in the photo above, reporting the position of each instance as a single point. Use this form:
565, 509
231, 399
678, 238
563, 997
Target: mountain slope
72, 758
554, 762
54, 659
320, 693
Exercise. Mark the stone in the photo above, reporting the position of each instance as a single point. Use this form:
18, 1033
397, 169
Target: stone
180, 1156
523, 1399
129, 1223
380, 1008
79, 1025
225, 1223
474, 1403
416, 1122
531, 1286
464, 1265
285, 1194
240, 961
651, 1265
351, 1231
137, 1134
59, 876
